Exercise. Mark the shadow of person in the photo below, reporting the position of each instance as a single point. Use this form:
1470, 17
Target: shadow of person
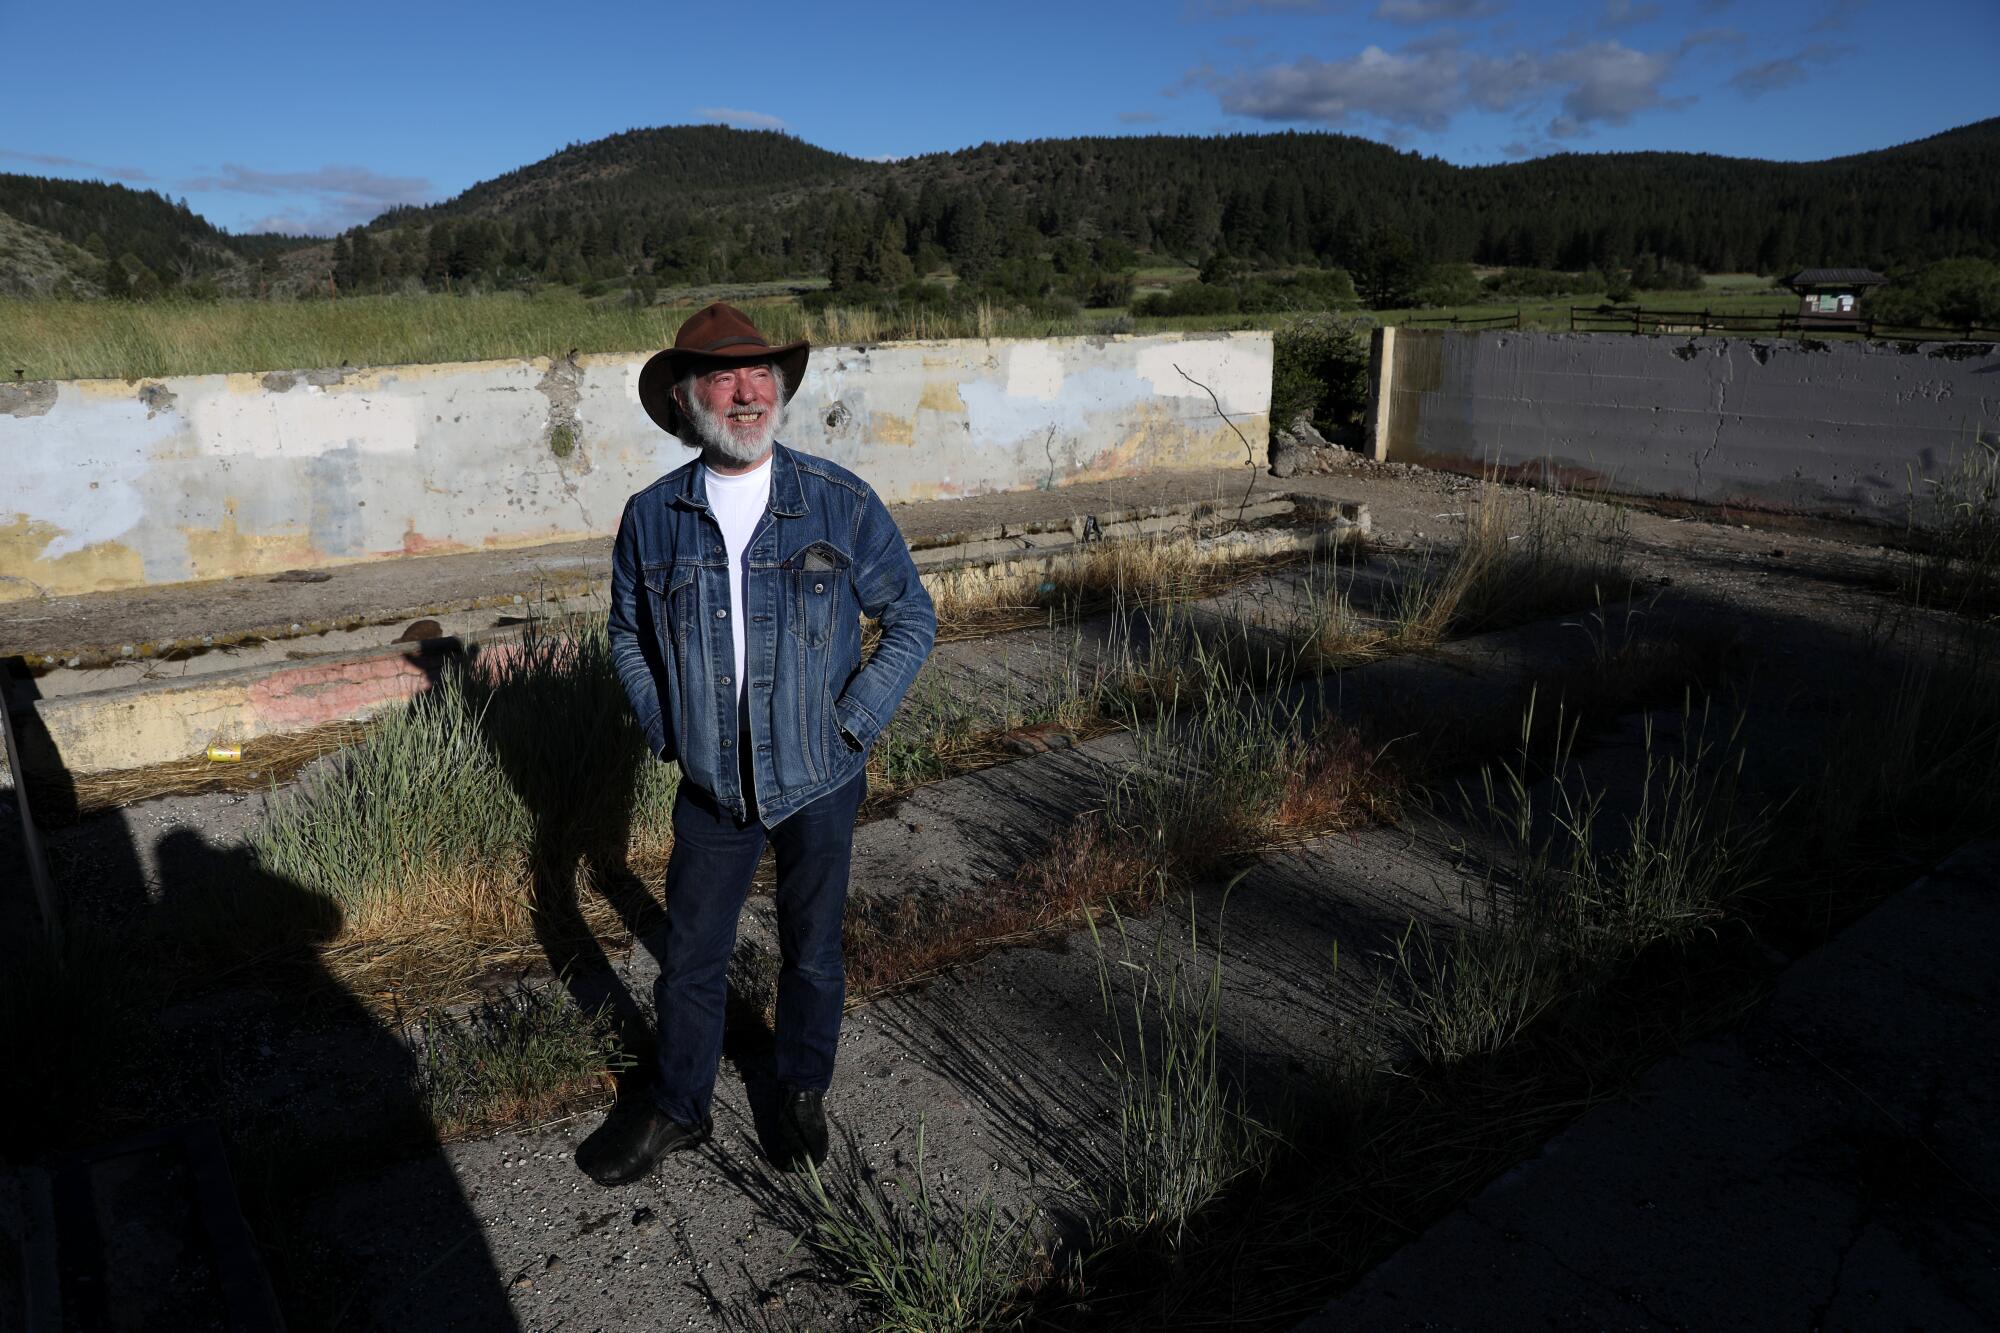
192, 990
54, 789
554, 719
340, 1166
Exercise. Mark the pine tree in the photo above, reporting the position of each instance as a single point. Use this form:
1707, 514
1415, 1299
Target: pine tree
117, 282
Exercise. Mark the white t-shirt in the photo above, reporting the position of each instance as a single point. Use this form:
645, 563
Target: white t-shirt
738, 503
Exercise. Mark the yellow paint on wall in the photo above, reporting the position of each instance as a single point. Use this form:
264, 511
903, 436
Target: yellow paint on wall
95, 568
153, 726
888, 428
105, 390
227, 551
941, 395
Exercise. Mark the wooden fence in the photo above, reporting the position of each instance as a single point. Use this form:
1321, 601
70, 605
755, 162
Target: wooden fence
1633, 319
1512, 321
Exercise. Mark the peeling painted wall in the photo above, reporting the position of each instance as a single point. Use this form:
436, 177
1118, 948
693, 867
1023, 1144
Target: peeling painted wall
1833, 427
114, 483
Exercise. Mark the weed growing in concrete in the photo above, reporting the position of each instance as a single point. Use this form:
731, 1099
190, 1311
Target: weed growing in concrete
1472, 992
481, 801
933, 735
1329, 631
1184, 1137
947, 727
519, 1058
924, 1265
1523, 554
1209, 776
1569, 900
1956, 520
418, 811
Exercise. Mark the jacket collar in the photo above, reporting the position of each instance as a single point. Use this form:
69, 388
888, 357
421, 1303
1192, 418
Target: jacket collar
788, 496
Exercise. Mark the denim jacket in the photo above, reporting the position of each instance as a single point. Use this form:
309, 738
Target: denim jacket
825, 550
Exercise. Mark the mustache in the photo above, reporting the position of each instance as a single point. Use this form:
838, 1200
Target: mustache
714, 436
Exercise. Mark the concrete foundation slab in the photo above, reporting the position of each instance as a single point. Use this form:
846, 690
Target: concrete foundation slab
1829, 1166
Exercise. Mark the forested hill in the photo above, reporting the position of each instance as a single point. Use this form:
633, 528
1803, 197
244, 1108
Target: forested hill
659, 167
706, 202
691, 204
106, 221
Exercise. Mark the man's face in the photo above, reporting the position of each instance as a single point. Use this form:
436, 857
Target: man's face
735, 410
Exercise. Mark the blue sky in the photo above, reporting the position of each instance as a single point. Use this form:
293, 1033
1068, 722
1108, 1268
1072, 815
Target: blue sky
318, 117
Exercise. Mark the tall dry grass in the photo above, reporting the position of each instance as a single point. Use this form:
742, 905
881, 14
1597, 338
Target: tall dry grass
1955, 519
1577, 885
517, 777
1184, 1135
70, 339
1522, 554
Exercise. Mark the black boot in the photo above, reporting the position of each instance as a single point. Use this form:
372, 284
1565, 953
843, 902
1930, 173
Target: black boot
633, 1137
802, 1134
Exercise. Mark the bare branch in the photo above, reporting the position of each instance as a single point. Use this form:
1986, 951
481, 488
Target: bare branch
1249, 451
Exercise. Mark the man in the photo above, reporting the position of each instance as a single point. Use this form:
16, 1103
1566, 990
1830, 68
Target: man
736, 583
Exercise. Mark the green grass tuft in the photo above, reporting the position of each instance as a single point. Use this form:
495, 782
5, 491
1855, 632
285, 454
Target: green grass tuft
923, 1265
517, 1058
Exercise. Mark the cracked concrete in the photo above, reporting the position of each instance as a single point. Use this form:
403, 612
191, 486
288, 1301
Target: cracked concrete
1001, 1060
1828, 1166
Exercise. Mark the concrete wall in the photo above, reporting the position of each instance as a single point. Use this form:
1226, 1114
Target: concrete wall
114, 483
1830, 427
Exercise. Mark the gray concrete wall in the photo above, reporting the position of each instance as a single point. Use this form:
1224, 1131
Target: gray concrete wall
1844, 428
115, 483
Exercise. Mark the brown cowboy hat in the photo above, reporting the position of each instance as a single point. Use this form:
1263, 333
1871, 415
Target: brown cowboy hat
717, 336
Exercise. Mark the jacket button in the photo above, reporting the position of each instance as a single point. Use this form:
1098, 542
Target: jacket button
725, 680
727, 743
819, 587
721, 614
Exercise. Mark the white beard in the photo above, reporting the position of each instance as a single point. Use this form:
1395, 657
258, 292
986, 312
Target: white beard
715, 438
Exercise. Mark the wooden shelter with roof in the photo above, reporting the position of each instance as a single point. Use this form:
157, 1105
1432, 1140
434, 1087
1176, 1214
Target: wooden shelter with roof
1830, 298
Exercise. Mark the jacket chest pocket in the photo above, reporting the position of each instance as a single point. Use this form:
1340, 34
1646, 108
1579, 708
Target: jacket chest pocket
670, 588
817, 577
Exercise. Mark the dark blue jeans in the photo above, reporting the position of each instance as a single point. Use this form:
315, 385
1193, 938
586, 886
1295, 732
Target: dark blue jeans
708, 878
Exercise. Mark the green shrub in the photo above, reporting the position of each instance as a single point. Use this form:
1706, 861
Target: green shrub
1520, 283
1447, 284
1952, 293
1319, 366
1189, 298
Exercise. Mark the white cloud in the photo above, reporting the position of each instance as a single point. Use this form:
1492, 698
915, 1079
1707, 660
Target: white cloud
290, 223
357, 182
1606, 83
1756, 80
76, 164
317, 203
1424, 86
742, 120
1421, 90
